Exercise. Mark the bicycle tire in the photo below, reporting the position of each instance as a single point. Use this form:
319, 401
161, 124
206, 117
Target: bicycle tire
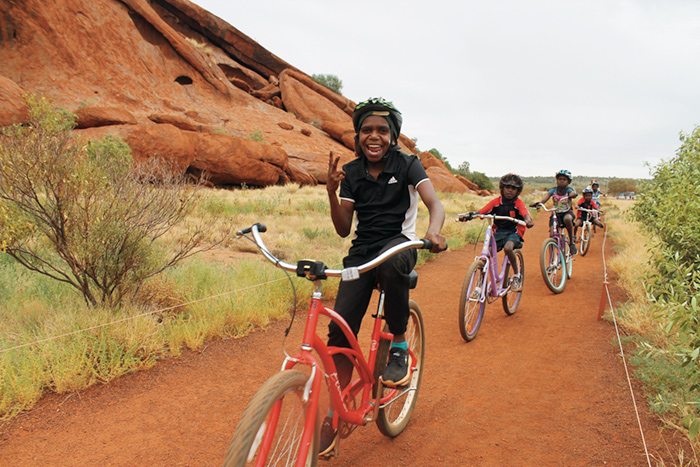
568, 257
585, 239
552, 266
471, 310
286, 387
392, 420
511, 300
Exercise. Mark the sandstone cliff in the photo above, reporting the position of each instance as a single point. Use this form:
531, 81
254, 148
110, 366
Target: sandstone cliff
177, 82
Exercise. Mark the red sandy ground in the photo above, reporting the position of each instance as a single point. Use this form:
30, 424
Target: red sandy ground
544, 387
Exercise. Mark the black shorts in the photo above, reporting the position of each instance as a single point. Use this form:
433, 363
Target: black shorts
562, 215
503, 237
585, 216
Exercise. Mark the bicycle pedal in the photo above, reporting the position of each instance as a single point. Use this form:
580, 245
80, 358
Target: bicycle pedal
332, 453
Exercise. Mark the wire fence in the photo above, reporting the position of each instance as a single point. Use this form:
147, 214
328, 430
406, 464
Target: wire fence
129, 318
622, 351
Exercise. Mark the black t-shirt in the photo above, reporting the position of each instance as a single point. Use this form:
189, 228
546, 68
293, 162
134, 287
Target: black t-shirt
388, 206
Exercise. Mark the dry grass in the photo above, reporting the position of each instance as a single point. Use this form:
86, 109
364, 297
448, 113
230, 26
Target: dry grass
227, 293
631, 266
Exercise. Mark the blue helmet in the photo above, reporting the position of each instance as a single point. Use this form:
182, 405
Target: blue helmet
565, 173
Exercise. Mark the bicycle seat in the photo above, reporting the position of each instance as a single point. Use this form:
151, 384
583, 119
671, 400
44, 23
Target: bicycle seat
561, 224
412, 280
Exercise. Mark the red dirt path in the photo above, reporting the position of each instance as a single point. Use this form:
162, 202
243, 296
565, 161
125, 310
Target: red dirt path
544, 387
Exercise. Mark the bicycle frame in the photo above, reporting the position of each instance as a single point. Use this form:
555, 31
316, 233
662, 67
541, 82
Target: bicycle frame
370, 403
484, 283
555, 229
594, 214
549, 263
489, 254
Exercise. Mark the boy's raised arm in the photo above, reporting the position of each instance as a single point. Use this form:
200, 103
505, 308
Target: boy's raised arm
341, 211
544, 200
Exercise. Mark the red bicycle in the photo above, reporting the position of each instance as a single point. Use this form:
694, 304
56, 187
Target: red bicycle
281, 425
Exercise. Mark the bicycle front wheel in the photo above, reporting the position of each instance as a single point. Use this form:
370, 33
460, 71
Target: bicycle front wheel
585, 239
270, 431
552, 266
471, 307
393, 418
568, 257
511, 299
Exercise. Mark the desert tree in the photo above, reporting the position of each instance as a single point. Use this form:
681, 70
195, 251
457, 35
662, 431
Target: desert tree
84, 213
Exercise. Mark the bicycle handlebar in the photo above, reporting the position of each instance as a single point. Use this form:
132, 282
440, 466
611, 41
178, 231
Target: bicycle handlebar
540, 205
590, 210
467, 216
261, 228
321, 272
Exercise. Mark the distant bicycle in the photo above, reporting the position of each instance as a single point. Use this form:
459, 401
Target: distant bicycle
587, 230
483, 283
556, 260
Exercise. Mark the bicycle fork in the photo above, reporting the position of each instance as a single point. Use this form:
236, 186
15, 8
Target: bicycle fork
311, 392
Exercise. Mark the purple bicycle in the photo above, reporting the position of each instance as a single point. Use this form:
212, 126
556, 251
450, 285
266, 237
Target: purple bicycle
483, 283
556, 260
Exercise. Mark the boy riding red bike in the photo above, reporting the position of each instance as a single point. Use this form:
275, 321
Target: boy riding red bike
382, 186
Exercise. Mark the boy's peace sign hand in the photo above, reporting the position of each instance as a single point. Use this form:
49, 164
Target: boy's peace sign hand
335, 176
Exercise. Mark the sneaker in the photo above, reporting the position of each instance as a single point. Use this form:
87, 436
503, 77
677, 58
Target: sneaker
574, 251
516, 283
329, 438
397, 371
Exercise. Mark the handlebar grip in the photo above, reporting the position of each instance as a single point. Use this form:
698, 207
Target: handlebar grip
428, 245
261, 228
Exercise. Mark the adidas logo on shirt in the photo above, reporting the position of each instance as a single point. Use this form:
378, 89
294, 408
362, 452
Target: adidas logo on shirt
392, 180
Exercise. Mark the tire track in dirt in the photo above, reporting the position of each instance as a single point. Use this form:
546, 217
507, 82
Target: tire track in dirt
544, 387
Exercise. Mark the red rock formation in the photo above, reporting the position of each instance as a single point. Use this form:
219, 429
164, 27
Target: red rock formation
181, 122
12, 108
226, 160
341, 131
308, 105
297, 174
93, 116
240, 47
445, 181
442, 178
468, 183
171, 62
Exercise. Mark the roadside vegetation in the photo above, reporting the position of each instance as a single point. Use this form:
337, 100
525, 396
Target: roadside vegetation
658, 264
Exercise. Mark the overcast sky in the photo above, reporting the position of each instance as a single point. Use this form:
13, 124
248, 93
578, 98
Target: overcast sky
598, 87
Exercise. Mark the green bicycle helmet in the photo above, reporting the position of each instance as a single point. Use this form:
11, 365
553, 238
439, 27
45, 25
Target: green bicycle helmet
565, 173
380, 107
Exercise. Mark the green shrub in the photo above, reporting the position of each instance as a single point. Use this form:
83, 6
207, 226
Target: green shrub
84, 213
332, 82
257, 136
670, 212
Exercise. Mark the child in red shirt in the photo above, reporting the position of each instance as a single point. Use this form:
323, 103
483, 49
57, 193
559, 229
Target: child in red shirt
587, 202
509, 235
